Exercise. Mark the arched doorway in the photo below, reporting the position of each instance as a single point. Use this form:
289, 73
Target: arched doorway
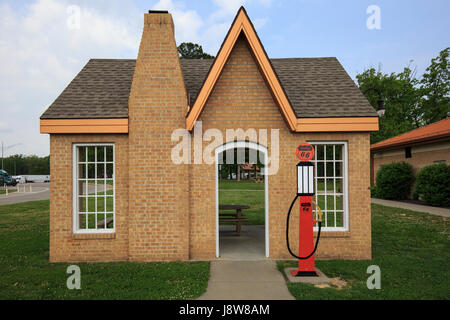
261, 150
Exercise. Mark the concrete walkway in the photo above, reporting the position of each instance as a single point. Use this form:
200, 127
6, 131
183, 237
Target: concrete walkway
415, 207
246, 280
250, 245
242, 272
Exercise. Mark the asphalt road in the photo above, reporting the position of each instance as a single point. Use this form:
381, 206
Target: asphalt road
39, 191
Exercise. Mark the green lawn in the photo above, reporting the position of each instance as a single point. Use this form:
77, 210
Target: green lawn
25, 272
240, 185
3, 191
412, 250
244, 192
108, 182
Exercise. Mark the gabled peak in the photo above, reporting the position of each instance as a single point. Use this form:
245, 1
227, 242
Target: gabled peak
242, 26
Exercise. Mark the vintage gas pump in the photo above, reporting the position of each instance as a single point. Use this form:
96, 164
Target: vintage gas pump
305, 191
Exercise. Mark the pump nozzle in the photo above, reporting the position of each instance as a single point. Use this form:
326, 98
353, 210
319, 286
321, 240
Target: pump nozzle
318, 211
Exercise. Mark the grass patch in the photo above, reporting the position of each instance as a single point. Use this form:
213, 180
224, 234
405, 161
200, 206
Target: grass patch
25, 272
247, 193
412, 250
108, 182
3, 191
240, 185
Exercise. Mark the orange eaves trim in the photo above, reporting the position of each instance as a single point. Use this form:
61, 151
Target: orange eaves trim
84, 126
354, 124
242, 24
433, 132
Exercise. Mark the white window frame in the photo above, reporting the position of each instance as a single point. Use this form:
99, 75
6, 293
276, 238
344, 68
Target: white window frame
345, 226
75, 212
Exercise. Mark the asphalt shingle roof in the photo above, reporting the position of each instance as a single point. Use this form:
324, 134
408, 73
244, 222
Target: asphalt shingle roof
100, 90
316, 87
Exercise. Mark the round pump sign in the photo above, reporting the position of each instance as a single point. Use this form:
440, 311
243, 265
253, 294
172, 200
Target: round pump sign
305, 152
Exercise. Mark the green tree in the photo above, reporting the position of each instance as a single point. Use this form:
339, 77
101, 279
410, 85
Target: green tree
226, 171
410, 103
401, 98
189, 50
19, 165
435, 89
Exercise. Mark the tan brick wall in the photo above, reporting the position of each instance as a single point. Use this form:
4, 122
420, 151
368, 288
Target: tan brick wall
166, 211
241, 99
158, 188
64, 244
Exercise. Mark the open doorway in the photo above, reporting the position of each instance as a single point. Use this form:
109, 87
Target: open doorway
242, 216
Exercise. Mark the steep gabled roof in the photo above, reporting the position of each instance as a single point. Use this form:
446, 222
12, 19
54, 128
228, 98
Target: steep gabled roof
434, 132
242, 25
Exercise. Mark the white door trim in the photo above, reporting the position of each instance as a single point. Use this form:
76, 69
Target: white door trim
254, 146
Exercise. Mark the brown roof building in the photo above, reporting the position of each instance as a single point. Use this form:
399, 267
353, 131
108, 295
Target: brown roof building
127, 186
420, 147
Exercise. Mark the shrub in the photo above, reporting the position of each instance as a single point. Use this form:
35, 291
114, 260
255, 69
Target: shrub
433, 185
374, 192
394, 181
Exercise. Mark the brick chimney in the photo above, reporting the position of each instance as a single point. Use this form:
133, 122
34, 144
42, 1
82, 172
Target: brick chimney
158, 189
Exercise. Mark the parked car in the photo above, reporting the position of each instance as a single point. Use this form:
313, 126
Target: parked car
5, 178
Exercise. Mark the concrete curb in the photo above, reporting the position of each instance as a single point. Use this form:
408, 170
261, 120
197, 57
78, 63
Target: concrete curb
321, 279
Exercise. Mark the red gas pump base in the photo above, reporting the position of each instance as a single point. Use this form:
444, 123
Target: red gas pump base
306, 267
306, 271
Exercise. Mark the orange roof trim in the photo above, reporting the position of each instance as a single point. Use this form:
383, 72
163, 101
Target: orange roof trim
434, 132
242, 24
337, 124
84, 126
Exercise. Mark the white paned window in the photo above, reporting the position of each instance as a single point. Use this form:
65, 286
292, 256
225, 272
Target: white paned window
93, 188
331, 182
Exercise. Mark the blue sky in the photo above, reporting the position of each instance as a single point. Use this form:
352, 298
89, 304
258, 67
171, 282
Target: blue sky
40, 53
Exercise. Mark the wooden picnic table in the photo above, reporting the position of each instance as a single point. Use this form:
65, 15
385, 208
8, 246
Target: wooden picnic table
238, 217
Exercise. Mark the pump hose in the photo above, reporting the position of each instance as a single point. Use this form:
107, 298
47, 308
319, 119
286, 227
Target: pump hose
287, 232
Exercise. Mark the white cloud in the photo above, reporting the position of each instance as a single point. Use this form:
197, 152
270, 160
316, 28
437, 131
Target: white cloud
4, 127
259, 23
209, 31
40, 54
227, 8
187, 22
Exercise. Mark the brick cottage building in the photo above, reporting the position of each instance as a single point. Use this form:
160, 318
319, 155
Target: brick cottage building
420, 147
116, 194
